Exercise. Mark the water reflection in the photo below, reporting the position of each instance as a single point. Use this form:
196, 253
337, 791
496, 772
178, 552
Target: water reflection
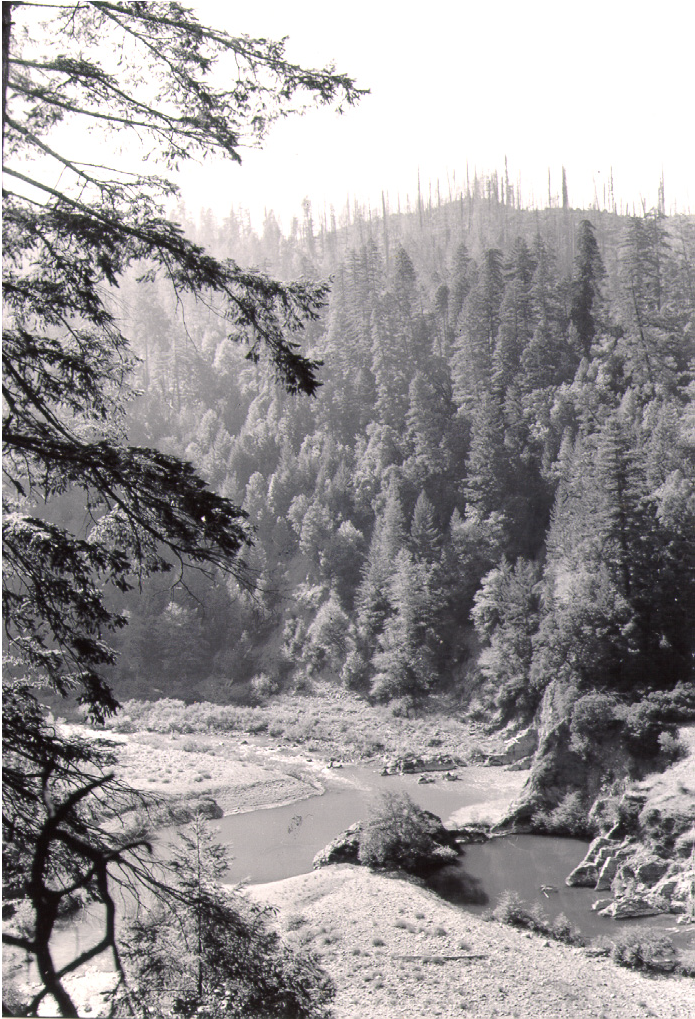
455, 885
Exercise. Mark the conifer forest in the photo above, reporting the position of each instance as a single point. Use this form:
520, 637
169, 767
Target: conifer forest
491, 488
406, 492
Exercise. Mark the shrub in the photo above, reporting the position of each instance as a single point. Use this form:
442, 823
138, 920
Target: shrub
646, 950
676, 705
263, 686
396, 834
512, 910
671, 748
568, 818
641, 728
402, 707
592, 717
564, 930
404, 925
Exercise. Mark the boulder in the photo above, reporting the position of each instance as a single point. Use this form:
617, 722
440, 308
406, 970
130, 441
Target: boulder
440, 762
685, 888
411, 764
630, 906
343, 849
517, 751
585, 875
651, 871
596, 865
523, 745
184, 813
471, 833
440, 856
443, 846
685, 844
606, 873
666, 887
209, 809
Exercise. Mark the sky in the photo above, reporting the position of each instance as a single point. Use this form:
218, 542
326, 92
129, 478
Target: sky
591, 86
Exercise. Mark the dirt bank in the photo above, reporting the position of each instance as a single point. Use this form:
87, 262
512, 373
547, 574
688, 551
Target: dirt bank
235, 773
396, 951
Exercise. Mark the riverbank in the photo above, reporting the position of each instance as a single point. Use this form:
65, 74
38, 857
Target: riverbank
237, 774
243, 771
249, 758
397, 951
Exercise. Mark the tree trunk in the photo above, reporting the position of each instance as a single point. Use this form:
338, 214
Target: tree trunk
6, 34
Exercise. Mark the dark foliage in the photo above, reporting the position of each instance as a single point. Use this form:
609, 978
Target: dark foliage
87, 516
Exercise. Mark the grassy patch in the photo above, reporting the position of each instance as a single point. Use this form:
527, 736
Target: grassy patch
295, 922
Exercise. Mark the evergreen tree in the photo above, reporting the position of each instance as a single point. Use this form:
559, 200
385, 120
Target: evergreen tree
506, 616
651, 347
462, 279
373, 601
426, 538
404, 664
516, 317
392, 364
130, 68
488, 469
545, 361
429, 422
203, 947
480, 319
589, 274
404, 284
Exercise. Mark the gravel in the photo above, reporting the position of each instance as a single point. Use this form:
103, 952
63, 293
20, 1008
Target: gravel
396, 950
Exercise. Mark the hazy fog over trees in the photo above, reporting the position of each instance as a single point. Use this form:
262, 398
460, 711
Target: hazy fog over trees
493, 485
441, 455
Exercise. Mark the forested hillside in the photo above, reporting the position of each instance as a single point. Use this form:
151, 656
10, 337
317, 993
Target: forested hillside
492, 489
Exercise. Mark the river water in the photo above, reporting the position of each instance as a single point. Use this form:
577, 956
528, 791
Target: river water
268, 845
280, 842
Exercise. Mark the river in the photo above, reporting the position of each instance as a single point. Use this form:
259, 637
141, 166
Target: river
268, 845
280, 842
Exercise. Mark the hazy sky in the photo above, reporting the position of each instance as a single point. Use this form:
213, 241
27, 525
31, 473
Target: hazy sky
588, 85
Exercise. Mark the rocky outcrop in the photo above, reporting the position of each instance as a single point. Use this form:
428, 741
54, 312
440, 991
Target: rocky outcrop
559, 767
642, 882
344, 848
444, 845
518, 752
411, 764
646, 859
587, 873
631, 906
204, 806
